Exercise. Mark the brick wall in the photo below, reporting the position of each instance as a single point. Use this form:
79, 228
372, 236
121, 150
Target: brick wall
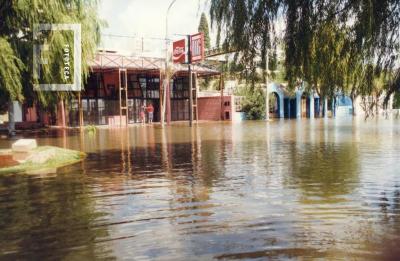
210, 108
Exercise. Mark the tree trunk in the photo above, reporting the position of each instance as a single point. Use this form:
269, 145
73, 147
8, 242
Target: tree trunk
11, 119
353, 107
62, 114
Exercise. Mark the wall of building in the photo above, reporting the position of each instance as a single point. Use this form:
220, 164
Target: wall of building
210, 108
359, 105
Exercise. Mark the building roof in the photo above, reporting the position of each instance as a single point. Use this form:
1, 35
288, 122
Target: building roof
113, 60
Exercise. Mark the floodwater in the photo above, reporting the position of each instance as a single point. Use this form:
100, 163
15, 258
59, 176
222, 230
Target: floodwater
284, 190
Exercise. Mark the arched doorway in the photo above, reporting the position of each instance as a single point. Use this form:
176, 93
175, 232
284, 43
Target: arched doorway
290, 107
274, 105
317, 106
305, 105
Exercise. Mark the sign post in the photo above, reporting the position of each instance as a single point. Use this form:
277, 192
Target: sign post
190, 82
195, 53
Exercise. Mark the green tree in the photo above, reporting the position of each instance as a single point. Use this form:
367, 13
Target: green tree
332, 45
396, 100
18, 19
253, 103
203, 28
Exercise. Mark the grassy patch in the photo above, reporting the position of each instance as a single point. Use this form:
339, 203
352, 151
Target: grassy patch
62, 157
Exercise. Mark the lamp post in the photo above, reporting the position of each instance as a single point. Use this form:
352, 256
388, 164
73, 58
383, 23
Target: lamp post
166, 80
266, 84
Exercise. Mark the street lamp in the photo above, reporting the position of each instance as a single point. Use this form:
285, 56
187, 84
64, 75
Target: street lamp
166, 80
266, 83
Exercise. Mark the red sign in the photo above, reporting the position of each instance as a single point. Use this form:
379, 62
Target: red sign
178, 53
197, 47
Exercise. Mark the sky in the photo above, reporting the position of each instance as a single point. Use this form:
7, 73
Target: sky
144, 22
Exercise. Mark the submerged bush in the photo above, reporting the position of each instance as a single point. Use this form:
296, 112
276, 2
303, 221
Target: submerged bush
91, 129
253, 103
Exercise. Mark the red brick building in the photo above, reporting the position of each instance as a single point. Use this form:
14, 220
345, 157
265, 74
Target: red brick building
104, 94
215, 108
119, 86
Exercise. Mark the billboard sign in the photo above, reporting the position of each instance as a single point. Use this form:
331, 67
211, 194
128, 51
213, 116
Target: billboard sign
197, 47
179, 51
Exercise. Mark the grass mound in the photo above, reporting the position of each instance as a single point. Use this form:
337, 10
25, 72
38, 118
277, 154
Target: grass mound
59, 158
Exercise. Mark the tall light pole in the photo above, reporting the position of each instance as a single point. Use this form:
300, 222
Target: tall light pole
166, 80
266, 83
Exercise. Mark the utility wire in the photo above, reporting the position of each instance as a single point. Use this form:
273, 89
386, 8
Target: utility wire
135, 37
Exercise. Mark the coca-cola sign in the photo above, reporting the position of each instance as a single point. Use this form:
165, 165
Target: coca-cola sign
179, 51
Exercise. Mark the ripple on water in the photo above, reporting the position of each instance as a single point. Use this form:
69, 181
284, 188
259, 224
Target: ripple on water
286, 190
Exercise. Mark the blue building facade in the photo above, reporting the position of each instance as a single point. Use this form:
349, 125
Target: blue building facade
301, 104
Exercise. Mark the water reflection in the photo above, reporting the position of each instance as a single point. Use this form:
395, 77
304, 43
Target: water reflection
287, 189
324, 172
49, 218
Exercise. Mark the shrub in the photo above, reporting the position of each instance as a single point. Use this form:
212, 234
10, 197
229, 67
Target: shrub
254, 102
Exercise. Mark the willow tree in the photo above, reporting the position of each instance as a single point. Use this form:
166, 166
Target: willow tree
18, 20
245, 25
332, 45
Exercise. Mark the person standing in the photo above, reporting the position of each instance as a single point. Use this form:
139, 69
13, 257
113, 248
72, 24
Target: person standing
150, 112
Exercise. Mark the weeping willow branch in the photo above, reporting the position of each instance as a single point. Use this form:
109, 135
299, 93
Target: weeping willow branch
344, 45
16, 42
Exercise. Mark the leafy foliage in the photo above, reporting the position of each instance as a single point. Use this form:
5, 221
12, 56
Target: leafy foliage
91, 129
16, 33
345, 45
253, 103
396, 100
10, 72
203, 28
246, 25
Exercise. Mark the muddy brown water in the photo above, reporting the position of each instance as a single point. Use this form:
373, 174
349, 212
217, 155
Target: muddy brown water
285, 190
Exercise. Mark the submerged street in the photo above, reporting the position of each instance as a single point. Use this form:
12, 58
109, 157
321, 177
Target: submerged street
288, 189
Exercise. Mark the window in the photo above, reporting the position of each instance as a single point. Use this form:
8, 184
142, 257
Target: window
180, 88
227, 115
111, 90
133, 82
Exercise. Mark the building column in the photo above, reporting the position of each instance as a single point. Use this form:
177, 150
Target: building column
168, 102
62, 108
281, 106
312, 107
317, 105
298, 104
80, 111
161, 93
